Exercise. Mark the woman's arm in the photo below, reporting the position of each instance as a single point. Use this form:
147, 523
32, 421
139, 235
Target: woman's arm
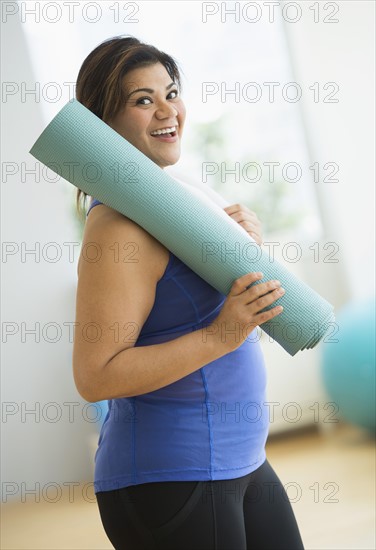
115, 295
143, 369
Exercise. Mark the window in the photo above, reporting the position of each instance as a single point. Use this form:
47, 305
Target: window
243, 134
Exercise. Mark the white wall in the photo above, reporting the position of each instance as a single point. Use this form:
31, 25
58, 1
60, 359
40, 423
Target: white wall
34, 447
343, 132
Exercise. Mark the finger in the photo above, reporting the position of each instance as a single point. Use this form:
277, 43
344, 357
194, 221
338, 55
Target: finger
241, 216
250, 227
253, 216
233, 208
253, 231
249, 223
257, 238
244, 282
266, 300
240, 212
256, 291
267, 315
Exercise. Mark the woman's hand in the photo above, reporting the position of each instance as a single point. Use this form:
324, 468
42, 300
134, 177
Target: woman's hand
247, 219
242, 310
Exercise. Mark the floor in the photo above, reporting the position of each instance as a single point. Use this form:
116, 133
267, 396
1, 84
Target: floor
329, 477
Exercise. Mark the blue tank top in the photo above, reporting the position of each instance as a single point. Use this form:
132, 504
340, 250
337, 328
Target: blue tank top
209, 425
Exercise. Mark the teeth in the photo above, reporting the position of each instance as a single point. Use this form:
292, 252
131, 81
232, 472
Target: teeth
164, 131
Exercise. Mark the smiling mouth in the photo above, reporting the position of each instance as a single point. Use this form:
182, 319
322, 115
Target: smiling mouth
168, 137
165, 132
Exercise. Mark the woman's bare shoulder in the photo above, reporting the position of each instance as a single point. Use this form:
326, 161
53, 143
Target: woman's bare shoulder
112, 226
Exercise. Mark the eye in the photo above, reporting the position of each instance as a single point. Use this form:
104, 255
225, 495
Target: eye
142, 100
173, 92
147, 100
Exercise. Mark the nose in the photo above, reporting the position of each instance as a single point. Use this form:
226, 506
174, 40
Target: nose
166, 110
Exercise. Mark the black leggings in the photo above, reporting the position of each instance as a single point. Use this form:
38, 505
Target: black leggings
249, 512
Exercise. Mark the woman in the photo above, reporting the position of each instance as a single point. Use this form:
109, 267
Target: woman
181, 460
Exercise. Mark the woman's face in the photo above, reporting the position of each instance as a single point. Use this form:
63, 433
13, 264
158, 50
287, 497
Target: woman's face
153, 104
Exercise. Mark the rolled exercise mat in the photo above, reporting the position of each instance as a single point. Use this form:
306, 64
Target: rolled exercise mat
84, 150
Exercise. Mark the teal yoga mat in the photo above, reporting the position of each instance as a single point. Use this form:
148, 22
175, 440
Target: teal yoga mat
85, 151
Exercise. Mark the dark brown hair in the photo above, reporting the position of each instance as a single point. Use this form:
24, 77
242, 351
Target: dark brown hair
99, 85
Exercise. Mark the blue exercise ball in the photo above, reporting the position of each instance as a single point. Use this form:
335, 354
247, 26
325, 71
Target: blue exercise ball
102, 411
348, 363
